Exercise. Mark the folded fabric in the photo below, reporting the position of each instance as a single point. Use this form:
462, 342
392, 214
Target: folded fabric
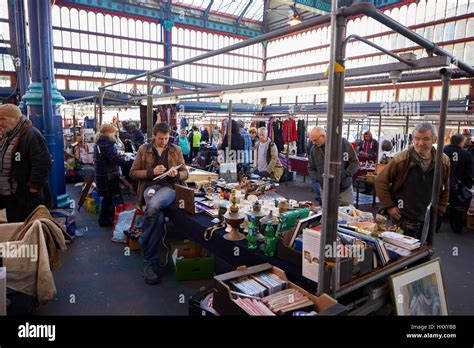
40, 237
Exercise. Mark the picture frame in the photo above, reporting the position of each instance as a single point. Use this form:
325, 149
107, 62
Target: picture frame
420, 290
302, 224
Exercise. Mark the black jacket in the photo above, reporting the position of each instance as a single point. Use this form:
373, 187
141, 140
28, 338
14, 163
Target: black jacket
31, 165
106, 164
461, 168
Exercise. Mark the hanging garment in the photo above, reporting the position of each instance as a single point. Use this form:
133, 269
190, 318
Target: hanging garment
167, 114
301, 144
278, 135
293, 135
184, 123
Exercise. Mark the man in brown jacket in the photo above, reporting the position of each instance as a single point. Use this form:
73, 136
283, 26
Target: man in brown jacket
153, 160
404, 186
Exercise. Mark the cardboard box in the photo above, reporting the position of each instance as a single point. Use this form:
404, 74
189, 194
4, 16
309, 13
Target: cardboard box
194, 304
133, 244
224, 304
191, 262
470, 222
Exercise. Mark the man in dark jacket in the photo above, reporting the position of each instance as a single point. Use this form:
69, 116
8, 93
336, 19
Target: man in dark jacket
461, 170
350, 164
25, 164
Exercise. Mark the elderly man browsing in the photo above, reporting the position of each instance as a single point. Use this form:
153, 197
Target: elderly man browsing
404, 186
350, 164
25, 164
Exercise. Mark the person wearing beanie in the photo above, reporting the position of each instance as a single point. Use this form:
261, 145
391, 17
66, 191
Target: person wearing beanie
25, 164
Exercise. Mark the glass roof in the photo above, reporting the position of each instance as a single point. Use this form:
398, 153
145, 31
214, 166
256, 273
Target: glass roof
229, 7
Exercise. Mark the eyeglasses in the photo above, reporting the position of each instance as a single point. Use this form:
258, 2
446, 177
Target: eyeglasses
424, 140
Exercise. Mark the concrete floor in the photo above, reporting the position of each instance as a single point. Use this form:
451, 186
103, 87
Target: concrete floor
97, 278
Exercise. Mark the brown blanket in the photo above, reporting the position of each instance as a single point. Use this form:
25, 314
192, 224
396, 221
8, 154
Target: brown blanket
34, 276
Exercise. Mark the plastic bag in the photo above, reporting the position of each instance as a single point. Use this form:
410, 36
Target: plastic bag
123, 219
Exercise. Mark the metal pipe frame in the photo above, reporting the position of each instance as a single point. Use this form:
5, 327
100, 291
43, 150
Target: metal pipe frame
258, 39
45, 59
423, 63
374, 45
371, 11
333, 152
19, 7
446, 77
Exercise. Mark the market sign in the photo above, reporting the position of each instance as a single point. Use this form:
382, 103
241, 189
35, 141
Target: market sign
325, 5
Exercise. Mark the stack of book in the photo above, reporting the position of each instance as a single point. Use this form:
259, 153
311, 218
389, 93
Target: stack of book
249, 286
349, 233
254, 307
271, 281
287, 301
400, 240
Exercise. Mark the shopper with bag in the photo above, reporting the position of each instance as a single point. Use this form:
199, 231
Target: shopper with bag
152, 160
107, 162
460, 182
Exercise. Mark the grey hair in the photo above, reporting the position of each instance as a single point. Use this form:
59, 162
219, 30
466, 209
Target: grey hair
320, 130
425, 127
263, 130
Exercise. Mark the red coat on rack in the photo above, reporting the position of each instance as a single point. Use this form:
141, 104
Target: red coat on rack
293, 132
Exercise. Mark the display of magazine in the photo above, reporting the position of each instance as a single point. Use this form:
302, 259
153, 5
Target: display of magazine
212, 212
401, 240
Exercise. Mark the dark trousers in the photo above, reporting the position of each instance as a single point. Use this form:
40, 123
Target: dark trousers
186, 158
109, 201
456, 214
19, 207
193, 153
414, 228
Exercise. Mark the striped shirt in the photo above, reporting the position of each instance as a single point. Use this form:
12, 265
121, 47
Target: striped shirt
248, 148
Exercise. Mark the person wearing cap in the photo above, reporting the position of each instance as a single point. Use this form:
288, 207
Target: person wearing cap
25, 164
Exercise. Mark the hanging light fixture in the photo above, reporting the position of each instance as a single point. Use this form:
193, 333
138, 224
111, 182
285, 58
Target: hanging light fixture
295, 18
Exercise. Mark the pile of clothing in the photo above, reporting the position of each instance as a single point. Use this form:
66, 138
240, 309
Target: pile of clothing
40, 237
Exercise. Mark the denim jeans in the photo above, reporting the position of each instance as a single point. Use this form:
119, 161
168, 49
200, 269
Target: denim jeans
317, 190
154, 221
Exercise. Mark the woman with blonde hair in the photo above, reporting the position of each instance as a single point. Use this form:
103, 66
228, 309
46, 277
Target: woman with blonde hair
107, 162
253, 136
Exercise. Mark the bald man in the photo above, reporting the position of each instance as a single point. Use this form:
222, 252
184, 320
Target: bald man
350, 164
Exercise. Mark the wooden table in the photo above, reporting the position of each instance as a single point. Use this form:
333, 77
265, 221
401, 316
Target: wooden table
296, 164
